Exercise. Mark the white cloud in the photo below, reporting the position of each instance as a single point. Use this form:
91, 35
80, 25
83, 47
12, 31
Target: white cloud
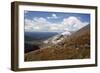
41, 19
53, 16
36, 28
53, 28
73, 23
36, 24
41, 24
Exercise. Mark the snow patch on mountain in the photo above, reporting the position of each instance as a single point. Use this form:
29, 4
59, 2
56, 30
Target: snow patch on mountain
66, 33
58, 38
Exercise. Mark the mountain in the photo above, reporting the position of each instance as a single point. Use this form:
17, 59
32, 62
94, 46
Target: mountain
57, 38
32, 36
72, 46
34, 40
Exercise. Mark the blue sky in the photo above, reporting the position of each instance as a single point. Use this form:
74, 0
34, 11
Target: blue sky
54, 21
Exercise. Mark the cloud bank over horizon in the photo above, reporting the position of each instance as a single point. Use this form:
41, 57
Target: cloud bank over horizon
46, 24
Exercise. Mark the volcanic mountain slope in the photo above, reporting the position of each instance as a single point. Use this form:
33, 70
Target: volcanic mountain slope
76, 46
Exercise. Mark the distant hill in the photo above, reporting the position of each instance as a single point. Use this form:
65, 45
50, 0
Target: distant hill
75, 46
